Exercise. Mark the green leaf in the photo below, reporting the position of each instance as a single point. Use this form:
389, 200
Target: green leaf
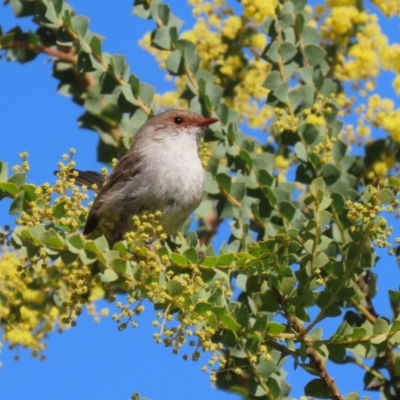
324, 217
3, 170
226, 259
264, 177
224, 181
317, 388
52, 239
326, 87
298, 6
141, 9
274, 328
321, 260
306, 74
95, 45
287, 51
314, 54
238, 190
18, 179
308, 92
301, 151
178, 259
210, 262
80, 25
353, 396
202, 308
36, 233
75, 242
287, 209
273, 80
120, 265
247, 158
266, 368
281, 93
146, 92
305, 173
191, 255
378, 339
229, 322
60, 210
10, 188
164, 13
325, 203
135, 84
386, 196
272, 54
381, 326
330, 173
310, 134
100, 243
309, 368
310, 35
249, 284
174, 63
295, 97
161, 38
51, 14
337, 202
290, 69
18, 204
108, 275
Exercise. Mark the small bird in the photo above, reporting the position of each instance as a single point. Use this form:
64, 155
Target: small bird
162, 171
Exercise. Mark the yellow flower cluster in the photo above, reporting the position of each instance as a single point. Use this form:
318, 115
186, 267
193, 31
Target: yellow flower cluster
391, 60
285, 122
324, 149
231, 51
341, 22
363, 58
23, 306
315, 119
147, 225
340, 3
204, 153
231, 26
388, 7
209, 44
362, 48
259, 10
382, 114
42, 209
367, 212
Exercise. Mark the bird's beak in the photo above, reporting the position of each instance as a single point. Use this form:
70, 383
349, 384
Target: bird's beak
206, 122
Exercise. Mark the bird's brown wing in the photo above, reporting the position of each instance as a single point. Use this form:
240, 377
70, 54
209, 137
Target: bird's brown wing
126, 169
86, 178
89, 178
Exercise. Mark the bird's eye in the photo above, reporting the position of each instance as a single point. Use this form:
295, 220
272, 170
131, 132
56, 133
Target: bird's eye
178, 120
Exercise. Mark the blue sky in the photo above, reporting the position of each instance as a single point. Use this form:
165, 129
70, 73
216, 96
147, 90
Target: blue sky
96, 360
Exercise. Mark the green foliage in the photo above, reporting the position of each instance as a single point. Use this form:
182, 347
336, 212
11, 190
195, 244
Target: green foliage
298, 254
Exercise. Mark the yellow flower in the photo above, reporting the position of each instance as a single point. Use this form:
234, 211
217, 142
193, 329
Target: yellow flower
281, 162
380, 168
339, 3
34, 296
259, 41
315, 120
364, 130
232, 25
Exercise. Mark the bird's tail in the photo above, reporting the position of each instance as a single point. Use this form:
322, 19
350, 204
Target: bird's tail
87, 178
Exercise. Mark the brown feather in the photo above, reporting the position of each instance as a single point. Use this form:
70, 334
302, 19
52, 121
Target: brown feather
86, 178
124, 170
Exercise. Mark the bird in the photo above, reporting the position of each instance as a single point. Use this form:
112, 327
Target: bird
161, 171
